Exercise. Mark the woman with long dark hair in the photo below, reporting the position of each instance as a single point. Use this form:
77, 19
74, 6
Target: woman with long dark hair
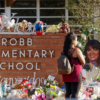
73, 81
92, 52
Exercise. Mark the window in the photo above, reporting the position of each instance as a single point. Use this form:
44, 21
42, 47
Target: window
2, 6
50, 12
24, 12
2, 11
25, 9
53, 11
24, 4
52, 21
2, 3
52, 3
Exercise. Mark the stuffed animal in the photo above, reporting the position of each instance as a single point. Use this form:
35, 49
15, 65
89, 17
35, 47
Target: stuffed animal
8, 88
51, 29
29, 27
65, 28
10, 24
23, 84
19, 86
54, 28
14, 93
39, 27
24, 93
23, 25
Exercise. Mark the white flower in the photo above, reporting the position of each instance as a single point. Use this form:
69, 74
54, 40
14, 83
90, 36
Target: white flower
83, 36
47, 84
79, 45
90, 29
94, 28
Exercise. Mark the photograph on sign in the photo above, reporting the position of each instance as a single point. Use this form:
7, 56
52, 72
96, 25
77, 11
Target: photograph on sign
92, 57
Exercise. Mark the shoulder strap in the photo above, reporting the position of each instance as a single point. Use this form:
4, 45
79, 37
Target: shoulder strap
71, 55
73, 51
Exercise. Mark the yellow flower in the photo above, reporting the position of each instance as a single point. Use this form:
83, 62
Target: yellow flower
54, 87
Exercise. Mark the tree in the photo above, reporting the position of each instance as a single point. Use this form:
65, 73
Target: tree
84, 13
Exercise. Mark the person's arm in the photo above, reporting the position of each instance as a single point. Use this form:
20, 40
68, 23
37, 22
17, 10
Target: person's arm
80, 56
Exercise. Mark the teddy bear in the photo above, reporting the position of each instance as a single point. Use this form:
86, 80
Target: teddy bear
23, 25
23, 84
65, 28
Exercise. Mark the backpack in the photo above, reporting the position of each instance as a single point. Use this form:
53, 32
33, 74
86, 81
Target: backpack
64, 66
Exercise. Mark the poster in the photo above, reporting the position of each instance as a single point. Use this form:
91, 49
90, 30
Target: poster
91, 70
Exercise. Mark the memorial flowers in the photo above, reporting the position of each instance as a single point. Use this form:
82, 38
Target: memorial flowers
85, 35
25, 89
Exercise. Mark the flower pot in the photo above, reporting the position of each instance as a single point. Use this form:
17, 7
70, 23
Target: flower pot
39, 33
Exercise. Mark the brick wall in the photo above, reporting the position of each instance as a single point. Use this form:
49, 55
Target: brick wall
48, 65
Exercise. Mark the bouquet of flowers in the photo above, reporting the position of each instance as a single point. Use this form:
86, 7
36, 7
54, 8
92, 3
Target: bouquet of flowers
98, 79
90, 90
81, 42
51, 89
